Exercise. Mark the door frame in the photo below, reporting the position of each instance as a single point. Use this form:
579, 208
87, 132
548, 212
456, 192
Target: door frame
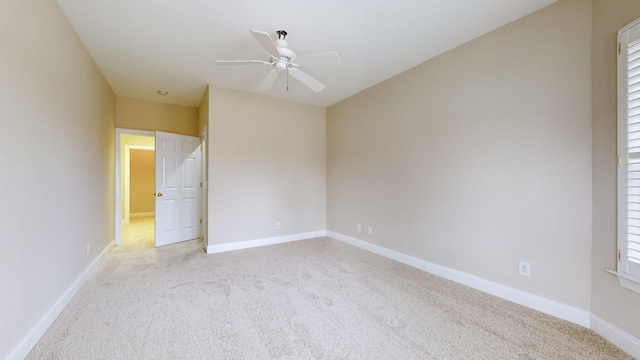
118, 175
204, 189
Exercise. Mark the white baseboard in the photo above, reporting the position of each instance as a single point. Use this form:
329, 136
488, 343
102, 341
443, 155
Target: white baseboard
551, 307
218, 248
36, 332
618, 337
142, 214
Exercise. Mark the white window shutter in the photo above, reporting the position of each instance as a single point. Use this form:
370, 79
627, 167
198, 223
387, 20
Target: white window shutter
629, 151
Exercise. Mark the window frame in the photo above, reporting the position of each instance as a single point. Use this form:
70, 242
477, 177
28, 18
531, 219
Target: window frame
627, 272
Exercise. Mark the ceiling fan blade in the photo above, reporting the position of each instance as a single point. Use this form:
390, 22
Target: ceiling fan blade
242, 62
265, 40
328, 58
307, 80
268, 81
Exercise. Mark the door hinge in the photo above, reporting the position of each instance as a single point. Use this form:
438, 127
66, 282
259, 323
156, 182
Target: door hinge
619, 253
619, 160
200, 221
619, 48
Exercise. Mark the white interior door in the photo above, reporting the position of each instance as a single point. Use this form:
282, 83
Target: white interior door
177, 188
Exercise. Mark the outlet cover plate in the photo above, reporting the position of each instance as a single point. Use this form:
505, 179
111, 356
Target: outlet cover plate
524, 268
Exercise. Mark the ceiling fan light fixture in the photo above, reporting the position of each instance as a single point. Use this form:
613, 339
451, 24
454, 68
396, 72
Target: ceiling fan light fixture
281, 65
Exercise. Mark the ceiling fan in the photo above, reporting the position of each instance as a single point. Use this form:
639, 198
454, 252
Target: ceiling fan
284, 59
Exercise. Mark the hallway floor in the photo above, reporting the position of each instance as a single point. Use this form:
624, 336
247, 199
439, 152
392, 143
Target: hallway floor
139, 233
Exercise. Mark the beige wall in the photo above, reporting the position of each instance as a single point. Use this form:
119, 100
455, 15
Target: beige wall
610, 302
57, 120
142, 181
478, 158
149, 115
266, 164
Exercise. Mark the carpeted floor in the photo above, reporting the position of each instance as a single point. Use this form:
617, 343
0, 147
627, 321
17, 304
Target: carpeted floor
139, 233
313, 299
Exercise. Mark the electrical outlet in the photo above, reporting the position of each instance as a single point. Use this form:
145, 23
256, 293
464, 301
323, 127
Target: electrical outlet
524, 268
277, 224
358, 228
88, 248
369, 230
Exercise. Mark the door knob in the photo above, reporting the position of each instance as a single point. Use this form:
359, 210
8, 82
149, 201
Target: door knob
159, 194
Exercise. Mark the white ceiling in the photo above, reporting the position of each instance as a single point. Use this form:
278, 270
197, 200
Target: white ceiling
143, 46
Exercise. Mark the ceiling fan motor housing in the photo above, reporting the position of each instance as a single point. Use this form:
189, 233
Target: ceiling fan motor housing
283, 49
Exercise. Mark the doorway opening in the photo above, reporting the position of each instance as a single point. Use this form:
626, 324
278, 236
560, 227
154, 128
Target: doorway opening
135, 175
138, 228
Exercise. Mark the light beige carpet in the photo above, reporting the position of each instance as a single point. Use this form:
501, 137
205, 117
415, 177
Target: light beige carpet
313, 299
139, 233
